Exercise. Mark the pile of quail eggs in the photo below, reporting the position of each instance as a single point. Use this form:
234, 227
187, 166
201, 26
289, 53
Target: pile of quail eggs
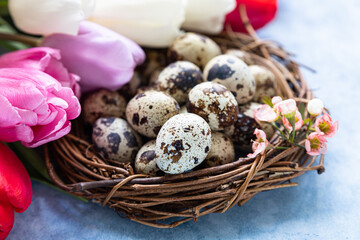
197, 110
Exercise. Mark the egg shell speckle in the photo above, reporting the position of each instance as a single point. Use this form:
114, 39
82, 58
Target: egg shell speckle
244, 56
178, 79
214, 103
265, 82
103, 103
222, 150
182, 143
195, 48
148, 111
145, 162
130, 89
115, 139
234, 74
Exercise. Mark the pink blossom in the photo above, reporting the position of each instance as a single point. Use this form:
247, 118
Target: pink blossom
265, 114
286, 108
315, 107
35, 108
44, 59
325, 125
276, 100
315, 144
298, 122
260, 144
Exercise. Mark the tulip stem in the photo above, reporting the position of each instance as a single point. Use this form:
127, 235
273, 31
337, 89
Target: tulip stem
32, 41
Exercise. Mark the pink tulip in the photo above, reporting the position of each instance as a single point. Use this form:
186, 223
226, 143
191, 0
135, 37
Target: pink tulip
44, 59
265, 114
315, 144
325, 125
35, 108
15, 189
298, 122
260, 144
286, 108
101, 57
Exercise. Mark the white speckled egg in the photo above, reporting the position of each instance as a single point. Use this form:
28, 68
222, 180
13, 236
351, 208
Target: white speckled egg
145, 162
265, 82
234, 74
115, 139
182, 143
214, 103
221, 151
148, 111
103, 103
241, 55
195, 48
178, 79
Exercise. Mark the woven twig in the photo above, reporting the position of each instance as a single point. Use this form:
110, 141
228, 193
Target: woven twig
170, 200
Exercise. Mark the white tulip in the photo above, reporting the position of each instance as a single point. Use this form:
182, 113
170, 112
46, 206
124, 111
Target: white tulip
151, 23
315, 107
44, 17
207, 16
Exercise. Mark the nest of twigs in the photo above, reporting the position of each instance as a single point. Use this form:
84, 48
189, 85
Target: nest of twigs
170, 200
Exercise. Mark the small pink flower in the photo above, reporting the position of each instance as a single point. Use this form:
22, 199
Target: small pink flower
315, 144
265, 114
275, 100
298, 122
260, 144
286, 108
315, 107
325, 125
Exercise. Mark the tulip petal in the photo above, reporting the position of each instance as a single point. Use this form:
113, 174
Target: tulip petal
6, 219
9, 116
20, 132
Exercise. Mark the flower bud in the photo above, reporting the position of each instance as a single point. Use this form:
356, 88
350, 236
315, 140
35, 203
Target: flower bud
315, 107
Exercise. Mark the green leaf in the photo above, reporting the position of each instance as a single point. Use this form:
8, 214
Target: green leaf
4, 8
267, 100
306, 121
302, 110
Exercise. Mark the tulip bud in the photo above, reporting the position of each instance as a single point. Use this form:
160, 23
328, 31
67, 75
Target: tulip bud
315, 107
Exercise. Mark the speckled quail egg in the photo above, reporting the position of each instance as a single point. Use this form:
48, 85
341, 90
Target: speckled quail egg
178, 79
115, 139
249, 110
214, 103
130, 89
155, 59
182, 143
145, 162
234, 74
195, 48
148, 111
221, 151
103, 103
265, 82
241, 55
242, 132
154, 76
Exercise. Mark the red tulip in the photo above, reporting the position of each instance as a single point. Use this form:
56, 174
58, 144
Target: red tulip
259, 12
15, 189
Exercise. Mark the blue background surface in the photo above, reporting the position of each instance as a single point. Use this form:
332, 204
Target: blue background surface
326, 36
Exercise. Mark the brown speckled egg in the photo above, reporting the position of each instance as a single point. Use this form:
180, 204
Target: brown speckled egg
241, 55
221, 151
178, 79
155, 59
130, 89
234, 74
195, 48
154, 76
265, 82
242, 132
214, 103
115, 139
103, 103
145, 162
148, 111
182, 143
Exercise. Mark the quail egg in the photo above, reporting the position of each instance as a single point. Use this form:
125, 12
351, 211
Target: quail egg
178, 79
241, 55
130, 89
145, 162
115, 139
214, 103
221, 151
182, 143
195, 48
103, 103
148, 111
234, 74
265, 82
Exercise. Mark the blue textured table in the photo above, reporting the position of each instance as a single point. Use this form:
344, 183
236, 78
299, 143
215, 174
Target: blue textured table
325, 35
